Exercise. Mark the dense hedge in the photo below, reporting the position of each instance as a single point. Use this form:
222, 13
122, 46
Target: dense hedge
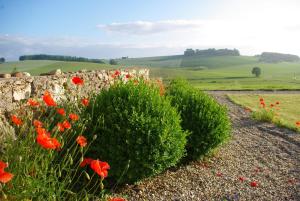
207, 121
139, 132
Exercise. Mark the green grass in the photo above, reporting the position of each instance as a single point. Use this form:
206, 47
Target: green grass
35, 67
289, 111
208, 73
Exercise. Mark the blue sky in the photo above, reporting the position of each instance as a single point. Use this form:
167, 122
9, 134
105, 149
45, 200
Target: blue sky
108, 29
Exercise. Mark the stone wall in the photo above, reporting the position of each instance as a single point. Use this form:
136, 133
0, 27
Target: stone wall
16, 90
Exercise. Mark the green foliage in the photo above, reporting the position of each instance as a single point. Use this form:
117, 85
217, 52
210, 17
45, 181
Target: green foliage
256, 71
201, 115
2, 60
211, 52
138, 130
264, 115
113, 62
273, 57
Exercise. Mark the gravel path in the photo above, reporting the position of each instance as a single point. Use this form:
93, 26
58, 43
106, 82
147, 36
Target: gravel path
258, 152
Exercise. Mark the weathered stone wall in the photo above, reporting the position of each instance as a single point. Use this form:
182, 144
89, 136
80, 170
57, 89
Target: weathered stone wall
13, 91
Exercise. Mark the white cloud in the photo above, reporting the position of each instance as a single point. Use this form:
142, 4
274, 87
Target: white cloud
148, 27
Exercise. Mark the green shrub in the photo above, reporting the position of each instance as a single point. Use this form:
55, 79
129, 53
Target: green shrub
139, 132
201, 115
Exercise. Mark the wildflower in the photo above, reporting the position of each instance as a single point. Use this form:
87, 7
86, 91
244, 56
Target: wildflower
16, 120
85, 102
4, 176
117, 199
47, 142
277, 103
272, 105
73, 116
242, 179
253, 184
100, 168
41, 131
60, 126
128, 76
261, 100
81, 140
86, 161
37, 124
32, 102
298, 123
219, 174
48, 99
66, 124
77, 80
61, 111
116, 74
135, 82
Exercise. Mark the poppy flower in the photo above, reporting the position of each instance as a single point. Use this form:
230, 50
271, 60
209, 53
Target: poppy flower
61, 111
48, 99
272, 105
47, 142
81, 140
277, 103
4, 176
86, 161
117, 73
32, 102
77, 80
60, 126
261, 100
16, 120
37, 123
117, 199
66, 124
73, 116
242, 179
298, 123
128, 76
100, 168
253, 184
85, 102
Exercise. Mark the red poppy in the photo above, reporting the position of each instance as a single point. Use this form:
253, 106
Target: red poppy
60, 126
81, 140
128, 76
219, 174
4, 176
272, 105
61, 111
47, 142
41, 131
100, 168
48, 99
277, 103
85, 102
32, 102
73, 116
86, 161
37, 123
77, 80
261, 100
263, 104
66, 124
117, 199
16, 120
117, 73
253, 184
242, 179
298, 123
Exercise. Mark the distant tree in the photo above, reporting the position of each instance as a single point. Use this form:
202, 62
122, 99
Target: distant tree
2, 60
256, 71
189, 52
113, 62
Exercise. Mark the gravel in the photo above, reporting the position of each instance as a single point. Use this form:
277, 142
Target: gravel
258, 152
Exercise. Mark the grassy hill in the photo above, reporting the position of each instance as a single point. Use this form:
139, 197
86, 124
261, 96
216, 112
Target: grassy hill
219, 72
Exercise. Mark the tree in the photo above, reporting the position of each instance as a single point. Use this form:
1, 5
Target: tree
113, 62
256, 71
2, 60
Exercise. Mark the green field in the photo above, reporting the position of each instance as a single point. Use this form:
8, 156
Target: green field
289, 113
209, 73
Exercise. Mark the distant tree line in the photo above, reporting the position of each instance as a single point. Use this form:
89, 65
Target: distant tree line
59, 58
272, 57
2, 60
211, 52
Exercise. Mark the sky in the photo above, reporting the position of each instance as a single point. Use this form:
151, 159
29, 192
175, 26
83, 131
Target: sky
135, 28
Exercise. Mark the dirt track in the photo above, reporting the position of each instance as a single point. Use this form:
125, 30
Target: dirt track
258, 152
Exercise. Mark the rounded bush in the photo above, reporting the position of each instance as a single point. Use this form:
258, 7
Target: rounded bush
202, 116
138, 131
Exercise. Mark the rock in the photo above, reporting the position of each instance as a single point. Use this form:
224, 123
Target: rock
17, 74
20, 93
5, 75
26, 74
82, 71
54, 72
